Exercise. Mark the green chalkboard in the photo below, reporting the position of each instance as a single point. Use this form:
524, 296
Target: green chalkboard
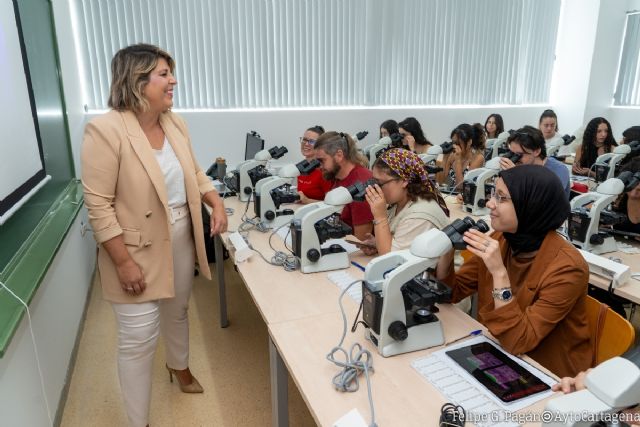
31, 237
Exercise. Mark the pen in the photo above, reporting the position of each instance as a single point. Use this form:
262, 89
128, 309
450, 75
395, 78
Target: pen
470, 334
357, 265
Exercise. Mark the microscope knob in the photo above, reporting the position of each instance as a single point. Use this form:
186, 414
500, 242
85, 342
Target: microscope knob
287, 212
398, 331
596, 239
482, 203
313, 255
270, 215
247, 190
335, 248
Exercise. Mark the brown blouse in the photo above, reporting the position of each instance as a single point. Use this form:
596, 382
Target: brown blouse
547, 317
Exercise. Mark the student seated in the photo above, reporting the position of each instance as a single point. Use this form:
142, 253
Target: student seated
548, 125
343, 166
493, 126
312, 187
413, 136
529, 142
531, 282
415, 205
468, 154
597, 140
388, 128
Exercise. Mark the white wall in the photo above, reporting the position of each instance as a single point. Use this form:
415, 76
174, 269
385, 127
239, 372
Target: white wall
56, 312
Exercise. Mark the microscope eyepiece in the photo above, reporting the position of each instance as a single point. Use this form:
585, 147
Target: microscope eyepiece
457, 228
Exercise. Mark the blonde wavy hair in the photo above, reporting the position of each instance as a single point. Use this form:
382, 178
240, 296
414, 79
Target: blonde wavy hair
130, 70
331, 142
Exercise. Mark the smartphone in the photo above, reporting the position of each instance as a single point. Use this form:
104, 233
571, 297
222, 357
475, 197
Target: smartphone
353, 242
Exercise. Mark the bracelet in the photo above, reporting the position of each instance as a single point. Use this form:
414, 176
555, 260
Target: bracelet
378, 222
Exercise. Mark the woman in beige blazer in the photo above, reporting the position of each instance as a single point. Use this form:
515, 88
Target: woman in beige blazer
143, 189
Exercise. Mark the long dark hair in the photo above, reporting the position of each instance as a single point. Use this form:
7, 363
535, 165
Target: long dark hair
621, 204
390, 125
474, 133
589, 149
499, 124
412, 125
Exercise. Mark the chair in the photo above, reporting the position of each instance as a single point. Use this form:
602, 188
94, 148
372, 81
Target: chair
612, 334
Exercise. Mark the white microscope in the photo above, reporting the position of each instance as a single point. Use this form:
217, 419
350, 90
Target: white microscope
373, 151
496, 146
399, 300
611, 387
588, 211
606, 164
243, 179
273, 191
435, 151
478, 184
557, 143
315, 223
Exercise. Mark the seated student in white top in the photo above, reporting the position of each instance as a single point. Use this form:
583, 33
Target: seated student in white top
529, 142
404, 202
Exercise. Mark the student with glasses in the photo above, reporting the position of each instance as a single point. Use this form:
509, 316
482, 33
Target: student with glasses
529, 143
404, 202
531, 283
343, 166
312, 187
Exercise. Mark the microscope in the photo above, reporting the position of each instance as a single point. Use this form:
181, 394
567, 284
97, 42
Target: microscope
399, 296
435, 151
557, 143
315, 223
478, 185
273, 191
611, 387
588, 211
372, 152
496, 146
243, 179
606, 164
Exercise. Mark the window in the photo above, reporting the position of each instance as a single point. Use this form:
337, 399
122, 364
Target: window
628, 83
300, 53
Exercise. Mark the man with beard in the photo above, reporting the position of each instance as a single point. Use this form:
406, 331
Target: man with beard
341, 164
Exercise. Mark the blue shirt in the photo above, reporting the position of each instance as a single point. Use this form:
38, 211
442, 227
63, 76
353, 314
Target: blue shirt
561, 171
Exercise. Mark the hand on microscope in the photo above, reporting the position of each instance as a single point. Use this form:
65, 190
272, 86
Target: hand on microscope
486, 249
377, 202
304, 199
506, 163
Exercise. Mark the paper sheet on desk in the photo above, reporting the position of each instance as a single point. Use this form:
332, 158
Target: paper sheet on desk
457, 385
285, 235
627, 248
351, 419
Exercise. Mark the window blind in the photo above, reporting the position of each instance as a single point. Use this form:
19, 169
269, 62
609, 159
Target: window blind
628, 83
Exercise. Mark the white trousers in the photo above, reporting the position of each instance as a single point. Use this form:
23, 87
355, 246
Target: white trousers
139, 325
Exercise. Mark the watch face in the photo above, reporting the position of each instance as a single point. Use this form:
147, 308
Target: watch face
506, 294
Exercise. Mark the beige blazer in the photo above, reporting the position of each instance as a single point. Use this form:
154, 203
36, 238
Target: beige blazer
125, 193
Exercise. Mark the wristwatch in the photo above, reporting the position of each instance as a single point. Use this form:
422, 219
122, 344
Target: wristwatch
503, 294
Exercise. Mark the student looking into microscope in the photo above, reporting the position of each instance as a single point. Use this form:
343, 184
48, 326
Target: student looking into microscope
531, 282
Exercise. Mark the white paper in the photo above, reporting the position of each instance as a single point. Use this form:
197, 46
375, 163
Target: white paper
351, 419
458, 386
627, 248
342, 279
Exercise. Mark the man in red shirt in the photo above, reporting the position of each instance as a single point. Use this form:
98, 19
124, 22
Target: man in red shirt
312, 187
341, 164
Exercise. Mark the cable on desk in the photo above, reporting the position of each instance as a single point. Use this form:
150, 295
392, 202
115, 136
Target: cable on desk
35, 349
356, 361
452, 415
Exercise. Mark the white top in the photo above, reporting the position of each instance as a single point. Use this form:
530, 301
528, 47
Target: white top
173, 175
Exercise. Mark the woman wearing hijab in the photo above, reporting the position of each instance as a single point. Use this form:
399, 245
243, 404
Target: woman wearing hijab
531, 283
415, 204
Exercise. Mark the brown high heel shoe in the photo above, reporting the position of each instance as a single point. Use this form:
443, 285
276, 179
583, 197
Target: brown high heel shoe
194, 387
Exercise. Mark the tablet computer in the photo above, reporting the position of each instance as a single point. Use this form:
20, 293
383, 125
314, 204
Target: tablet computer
501, 375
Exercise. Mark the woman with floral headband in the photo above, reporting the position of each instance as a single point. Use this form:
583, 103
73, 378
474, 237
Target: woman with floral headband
404, 202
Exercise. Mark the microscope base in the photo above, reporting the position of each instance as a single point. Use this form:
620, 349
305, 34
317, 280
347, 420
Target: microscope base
420, 337
609, 245
337, 261
278, 222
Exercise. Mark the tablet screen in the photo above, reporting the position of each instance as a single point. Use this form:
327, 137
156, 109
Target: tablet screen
495, 370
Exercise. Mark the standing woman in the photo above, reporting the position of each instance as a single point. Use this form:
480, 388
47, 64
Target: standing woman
493, 126
143, 189
597, 140
413, 136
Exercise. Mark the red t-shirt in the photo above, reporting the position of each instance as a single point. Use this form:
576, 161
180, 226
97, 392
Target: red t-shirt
355, 213
314, 186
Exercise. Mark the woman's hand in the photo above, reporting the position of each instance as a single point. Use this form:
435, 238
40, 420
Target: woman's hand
218, 222
131, 277
506, 163
578, 170
485, 248
377, 202
369, 245
571, 384
303, 198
